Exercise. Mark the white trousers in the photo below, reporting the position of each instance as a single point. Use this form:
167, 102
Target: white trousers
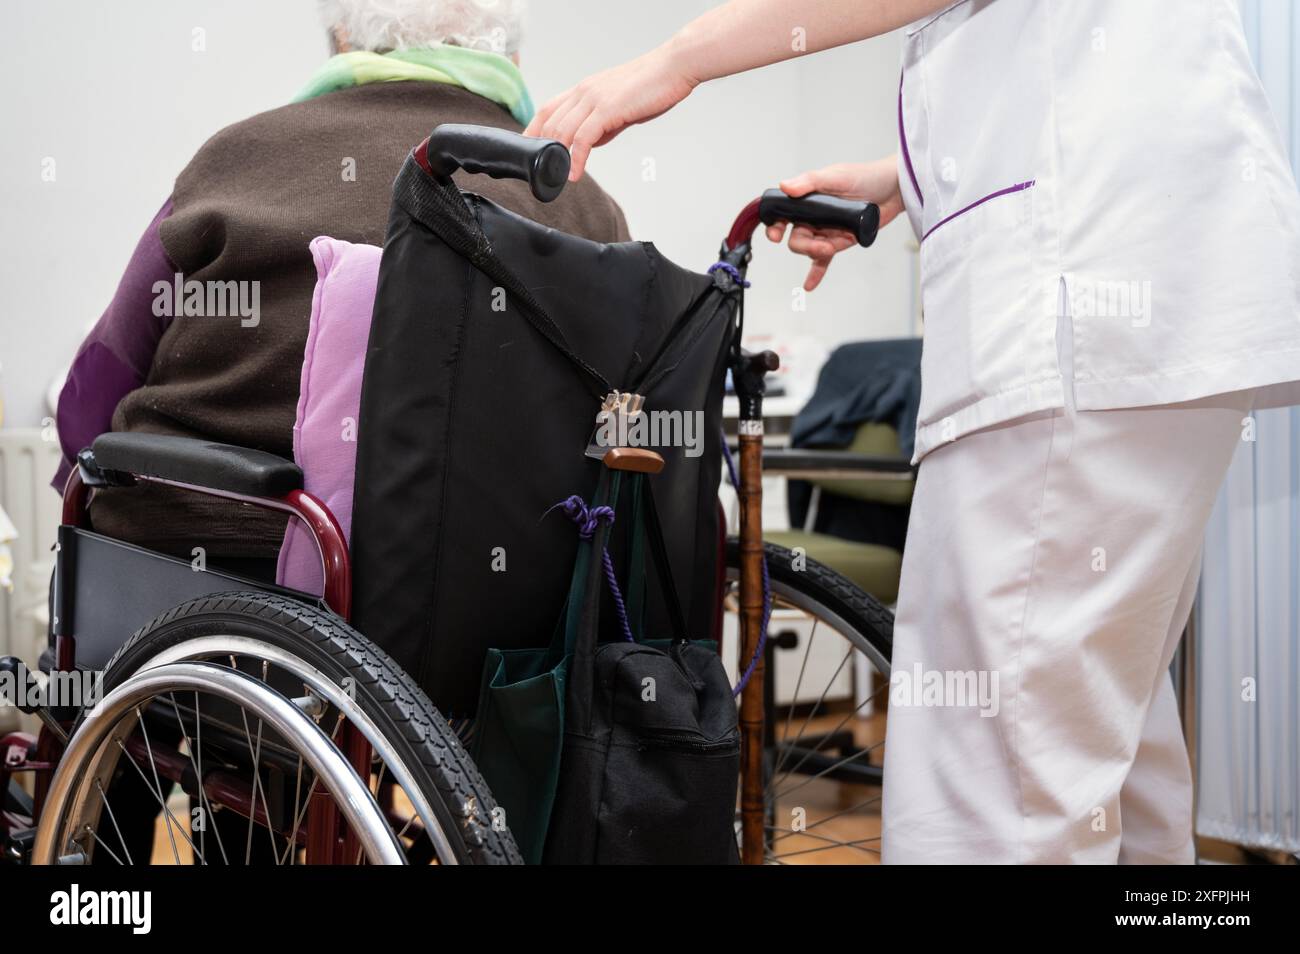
1049, 570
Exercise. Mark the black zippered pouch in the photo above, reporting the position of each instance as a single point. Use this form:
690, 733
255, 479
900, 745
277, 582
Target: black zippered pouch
651, 757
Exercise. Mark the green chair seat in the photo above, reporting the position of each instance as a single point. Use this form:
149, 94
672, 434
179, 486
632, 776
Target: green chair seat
874, 440
871, 566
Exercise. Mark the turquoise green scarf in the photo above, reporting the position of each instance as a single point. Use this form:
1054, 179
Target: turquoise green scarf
490, 75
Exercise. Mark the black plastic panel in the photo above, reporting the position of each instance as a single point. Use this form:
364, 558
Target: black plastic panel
116, 588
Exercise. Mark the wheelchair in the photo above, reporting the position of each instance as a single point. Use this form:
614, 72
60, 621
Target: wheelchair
247, 723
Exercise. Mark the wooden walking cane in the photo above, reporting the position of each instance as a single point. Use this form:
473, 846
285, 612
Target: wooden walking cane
748, 370
748, 375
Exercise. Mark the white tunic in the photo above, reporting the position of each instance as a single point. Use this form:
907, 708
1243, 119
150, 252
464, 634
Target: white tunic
1126, 148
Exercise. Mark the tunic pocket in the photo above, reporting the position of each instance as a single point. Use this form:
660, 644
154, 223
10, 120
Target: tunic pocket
979, 299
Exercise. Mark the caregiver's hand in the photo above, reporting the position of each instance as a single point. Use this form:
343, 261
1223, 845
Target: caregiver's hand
604, 104
736, 36
871, 181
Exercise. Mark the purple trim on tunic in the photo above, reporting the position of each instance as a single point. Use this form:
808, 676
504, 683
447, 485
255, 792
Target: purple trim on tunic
1018, 187
116, 356
902, 142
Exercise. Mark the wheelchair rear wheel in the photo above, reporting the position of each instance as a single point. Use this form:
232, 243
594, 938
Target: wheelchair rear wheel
416, 778
826, 681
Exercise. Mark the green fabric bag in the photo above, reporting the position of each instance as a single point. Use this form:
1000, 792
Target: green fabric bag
519, 727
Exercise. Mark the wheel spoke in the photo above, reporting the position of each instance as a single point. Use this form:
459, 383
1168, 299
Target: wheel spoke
144, 731
205, 806
822, 698
126, 849
99, 841
817, 705
788, 744
311, 790
789, 712
258, 789
162, 803
828, 769
211, 818
293, 835
297, 821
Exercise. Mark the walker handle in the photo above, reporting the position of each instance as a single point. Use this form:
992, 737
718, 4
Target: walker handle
501, 154
860, 219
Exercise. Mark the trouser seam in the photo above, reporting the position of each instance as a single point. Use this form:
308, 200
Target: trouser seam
1065, 365
1020, 638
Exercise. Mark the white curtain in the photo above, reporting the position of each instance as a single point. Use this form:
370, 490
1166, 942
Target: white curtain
1248, 666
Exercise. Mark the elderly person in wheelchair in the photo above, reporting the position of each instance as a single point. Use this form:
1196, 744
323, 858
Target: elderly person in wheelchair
206, 334
205, 340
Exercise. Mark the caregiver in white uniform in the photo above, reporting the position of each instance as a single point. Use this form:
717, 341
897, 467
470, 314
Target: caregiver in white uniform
1110, 255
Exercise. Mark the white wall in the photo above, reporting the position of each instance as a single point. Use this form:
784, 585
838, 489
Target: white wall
118, 97
115, 94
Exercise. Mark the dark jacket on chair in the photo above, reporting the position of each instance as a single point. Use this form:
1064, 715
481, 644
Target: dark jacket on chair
863, 381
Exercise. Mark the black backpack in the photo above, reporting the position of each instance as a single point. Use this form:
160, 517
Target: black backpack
493, 342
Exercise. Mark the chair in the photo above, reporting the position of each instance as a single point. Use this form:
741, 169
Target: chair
872, 470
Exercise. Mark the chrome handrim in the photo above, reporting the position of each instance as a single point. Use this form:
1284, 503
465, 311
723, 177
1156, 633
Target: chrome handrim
78, 803
225, 647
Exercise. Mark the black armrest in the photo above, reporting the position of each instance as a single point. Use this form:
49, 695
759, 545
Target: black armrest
813, 463
188, 460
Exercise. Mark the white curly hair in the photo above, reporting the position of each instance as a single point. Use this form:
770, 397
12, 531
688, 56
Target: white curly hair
382, 25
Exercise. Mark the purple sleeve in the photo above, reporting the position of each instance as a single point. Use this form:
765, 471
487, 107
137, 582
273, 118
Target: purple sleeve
115, 357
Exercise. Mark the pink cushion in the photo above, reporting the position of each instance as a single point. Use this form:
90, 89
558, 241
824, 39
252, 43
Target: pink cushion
329, 402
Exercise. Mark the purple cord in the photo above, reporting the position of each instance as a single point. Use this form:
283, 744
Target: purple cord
587, 519
617, 594
767, 588
731, 270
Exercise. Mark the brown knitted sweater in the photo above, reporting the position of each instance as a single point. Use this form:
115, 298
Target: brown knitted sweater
244, 210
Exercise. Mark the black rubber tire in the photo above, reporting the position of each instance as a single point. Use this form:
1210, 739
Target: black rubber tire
388, 695
845, 598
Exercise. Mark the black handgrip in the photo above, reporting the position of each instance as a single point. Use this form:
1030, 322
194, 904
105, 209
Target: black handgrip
542, 163
861, 219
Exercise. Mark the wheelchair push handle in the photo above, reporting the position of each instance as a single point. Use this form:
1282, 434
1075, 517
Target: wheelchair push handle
860, 219
501, 154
